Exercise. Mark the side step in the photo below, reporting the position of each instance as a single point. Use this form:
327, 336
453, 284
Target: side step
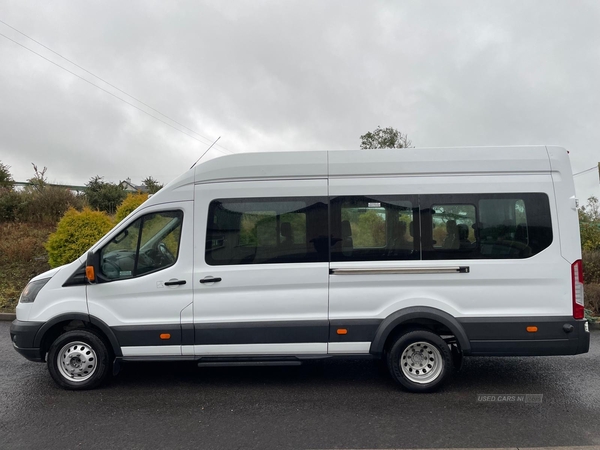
261, 360
248, 363
223, 361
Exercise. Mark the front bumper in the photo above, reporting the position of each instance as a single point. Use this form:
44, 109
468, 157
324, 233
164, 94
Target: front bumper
22, 335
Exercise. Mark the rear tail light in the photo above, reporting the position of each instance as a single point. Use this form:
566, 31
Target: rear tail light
577, 281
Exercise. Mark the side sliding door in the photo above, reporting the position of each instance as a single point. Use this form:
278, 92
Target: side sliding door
375, 229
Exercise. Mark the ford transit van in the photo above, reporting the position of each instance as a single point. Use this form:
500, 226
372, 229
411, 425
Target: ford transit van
419, 257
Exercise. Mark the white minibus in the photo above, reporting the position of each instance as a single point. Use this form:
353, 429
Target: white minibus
414, 256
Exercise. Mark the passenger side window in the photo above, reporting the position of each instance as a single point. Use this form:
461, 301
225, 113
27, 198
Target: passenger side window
374, 228
149, 244
503, 228
453, 227
367, 224
486, 226
258, 231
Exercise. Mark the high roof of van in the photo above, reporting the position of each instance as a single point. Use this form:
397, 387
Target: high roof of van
411, 161
466, 161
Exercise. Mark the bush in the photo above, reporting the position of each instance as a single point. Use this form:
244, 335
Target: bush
131, 202
104, 196
6, 180
590, 235
22, 256
21, 243
48, 204
591, 266
11, 205
76, 232
592, 298
44, 205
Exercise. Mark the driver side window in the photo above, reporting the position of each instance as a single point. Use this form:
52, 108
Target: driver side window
149, 244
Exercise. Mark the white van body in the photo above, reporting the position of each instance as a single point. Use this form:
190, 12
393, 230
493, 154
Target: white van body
491, 262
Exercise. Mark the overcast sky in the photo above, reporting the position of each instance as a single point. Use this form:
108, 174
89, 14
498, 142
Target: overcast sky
292, 75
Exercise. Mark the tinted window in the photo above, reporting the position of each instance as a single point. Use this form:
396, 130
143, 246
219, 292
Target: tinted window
452, 227
374, 228
493, 226
276, 230
149, 244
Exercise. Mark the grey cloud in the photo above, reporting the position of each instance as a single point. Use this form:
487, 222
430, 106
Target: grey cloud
295, 75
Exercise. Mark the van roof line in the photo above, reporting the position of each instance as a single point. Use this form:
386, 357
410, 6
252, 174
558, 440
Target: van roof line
380, 162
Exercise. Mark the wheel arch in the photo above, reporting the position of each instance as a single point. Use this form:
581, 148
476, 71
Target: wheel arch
414, 316
54, 326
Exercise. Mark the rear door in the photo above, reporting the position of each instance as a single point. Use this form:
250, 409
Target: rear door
261, 268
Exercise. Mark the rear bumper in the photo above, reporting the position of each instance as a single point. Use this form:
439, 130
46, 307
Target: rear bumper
508, 336
22, 336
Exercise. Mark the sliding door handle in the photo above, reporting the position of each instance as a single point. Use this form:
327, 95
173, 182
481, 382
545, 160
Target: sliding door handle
210, 280
400, 270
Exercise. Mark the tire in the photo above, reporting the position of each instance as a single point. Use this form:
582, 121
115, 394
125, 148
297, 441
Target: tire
79, 360
420, 361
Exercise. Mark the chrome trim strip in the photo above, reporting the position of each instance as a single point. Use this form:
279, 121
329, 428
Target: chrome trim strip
399, 270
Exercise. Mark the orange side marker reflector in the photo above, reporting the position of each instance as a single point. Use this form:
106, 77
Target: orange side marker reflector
165, 336
342, 331
532, 329
89, 273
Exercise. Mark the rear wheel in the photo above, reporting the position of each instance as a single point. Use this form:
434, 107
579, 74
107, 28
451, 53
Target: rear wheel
78, 360
420, 361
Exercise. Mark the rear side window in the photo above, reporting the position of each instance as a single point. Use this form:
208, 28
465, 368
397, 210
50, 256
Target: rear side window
486, 226
274, 230
376, 228
452, 227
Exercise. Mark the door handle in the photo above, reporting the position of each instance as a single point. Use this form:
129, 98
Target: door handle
210, 280
174, 283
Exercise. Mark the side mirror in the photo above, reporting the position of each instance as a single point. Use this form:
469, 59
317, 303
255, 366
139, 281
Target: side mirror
92, 267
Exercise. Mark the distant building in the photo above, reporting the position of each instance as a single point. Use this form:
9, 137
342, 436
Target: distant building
128, 186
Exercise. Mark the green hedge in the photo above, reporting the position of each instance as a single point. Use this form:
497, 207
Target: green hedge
131, 202
76, 232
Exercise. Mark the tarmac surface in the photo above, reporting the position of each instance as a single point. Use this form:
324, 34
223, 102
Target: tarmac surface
330, 404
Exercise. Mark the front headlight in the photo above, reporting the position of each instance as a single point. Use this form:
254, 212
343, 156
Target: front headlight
31, 290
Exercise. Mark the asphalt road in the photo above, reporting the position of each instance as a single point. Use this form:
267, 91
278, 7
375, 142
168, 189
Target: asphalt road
333, 404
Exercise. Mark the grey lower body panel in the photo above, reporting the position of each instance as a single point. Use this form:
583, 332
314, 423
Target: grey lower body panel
22, 335
508, 336
32, 354
501, 336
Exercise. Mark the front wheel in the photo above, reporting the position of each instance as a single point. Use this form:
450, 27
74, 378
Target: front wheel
420, 361
78, 360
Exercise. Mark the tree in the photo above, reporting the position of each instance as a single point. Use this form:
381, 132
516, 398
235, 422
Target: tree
589, 224
104, 196
384, 138
591, 211
39, 180
6, 180
153, 185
